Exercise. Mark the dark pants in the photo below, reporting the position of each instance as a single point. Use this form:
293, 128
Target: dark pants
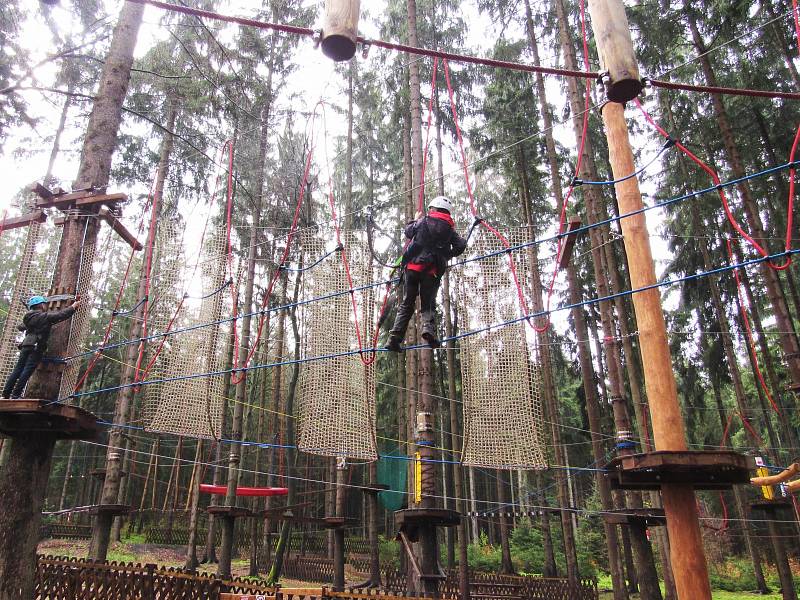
29, 358
426, 287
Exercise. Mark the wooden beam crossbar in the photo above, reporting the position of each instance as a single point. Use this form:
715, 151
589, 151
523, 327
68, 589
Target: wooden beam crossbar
565, 256
37, 216
120, 229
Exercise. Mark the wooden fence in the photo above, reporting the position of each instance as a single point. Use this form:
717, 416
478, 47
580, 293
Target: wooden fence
65, 531
61, 578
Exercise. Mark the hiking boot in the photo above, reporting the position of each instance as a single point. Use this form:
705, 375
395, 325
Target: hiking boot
431, 339
393, 345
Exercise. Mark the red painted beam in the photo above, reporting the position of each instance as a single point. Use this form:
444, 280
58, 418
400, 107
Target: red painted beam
221, 490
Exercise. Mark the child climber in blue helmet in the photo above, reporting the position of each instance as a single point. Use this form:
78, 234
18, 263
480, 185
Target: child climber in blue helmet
36, 324
434, 241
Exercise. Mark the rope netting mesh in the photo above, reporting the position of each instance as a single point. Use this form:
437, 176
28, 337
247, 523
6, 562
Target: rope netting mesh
336, 400
79, 325
500, 366
191, 407
166, 289
33, 277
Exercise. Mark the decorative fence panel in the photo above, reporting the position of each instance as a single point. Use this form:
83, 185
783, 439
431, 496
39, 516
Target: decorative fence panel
65, 531
77, 579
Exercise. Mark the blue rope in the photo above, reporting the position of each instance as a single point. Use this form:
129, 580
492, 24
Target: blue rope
228, 319
267, 445
668, 144
657, 285
229, 282
608, 221
338, 248
124, 313
462, 262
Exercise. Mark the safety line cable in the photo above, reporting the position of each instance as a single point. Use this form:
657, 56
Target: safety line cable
461, 58
555, 237
587, 302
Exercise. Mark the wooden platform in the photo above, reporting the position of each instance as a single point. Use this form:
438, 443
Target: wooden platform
704, 470
115, 510
643, 517
22, 418
410, 520
233, 512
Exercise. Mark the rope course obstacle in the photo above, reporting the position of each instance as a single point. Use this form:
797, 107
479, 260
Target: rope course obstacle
34, 274
80, 320
192, 407
501, 380
336, 408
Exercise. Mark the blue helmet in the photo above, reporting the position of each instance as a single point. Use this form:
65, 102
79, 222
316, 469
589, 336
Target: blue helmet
36, 300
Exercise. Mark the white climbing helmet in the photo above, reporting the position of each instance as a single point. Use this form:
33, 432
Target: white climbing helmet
441, 202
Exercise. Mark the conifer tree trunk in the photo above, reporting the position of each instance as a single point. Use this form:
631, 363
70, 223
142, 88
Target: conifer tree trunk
23, 481
583, 348
291, 456
236, 452
549, 395
788, 341
101, 529
738, 388
210, 555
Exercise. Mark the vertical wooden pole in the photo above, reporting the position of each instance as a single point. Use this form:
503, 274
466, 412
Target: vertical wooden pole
340, 30
689, 562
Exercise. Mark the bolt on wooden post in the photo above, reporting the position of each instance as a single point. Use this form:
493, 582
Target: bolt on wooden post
621, 77
340, 29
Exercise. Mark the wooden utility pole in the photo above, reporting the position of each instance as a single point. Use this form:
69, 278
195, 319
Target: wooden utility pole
340, 29
617, 56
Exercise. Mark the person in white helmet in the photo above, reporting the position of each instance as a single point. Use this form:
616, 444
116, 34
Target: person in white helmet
434, 241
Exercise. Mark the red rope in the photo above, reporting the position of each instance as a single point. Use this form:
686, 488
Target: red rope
709, 89
749, 333
723, 197
473, 209
305, 31
726, 430
107, 334
236, 379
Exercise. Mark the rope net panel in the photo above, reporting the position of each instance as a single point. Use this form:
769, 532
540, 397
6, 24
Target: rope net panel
79, 326
33, 277
499, 367
166, 290
193, 407
336, 401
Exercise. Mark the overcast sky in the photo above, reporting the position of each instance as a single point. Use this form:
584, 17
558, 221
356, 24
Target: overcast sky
317, 79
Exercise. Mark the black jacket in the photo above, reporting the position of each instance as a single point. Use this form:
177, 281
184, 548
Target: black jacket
434, 241
36, 324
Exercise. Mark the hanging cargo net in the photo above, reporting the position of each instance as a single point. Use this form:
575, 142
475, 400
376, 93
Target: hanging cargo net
191, 407
33, 277
336, 402
79, 326
501, 376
